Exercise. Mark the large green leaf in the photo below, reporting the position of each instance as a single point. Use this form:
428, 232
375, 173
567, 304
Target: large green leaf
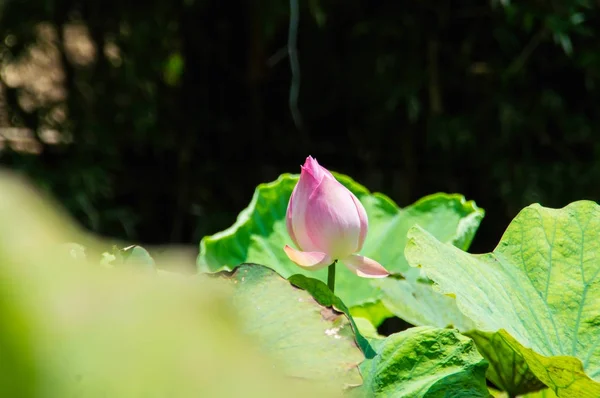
311, 341
259, 235
420, 305
73, 329
425, 362
539, 290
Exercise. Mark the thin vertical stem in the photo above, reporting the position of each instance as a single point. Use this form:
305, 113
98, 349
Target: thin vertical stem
331, 277
294, 64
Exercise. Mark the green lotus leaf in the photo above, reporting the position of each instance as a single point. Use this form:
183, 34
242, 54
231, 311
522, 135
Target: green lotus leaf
425, 362
309, 340
539, 289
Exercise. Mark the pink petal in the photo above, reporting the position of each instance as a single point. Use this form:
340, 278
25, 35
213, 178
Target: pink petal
296, 213
288, 218
332, 222
311, 261
364, 222
364, 266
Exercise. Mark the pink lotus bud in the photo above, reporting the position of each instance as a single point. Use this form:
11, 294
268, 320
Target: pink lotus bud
327, 223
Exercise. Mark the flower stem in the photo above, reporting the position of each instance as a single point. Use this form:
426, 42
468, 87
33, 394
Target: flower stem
331, 277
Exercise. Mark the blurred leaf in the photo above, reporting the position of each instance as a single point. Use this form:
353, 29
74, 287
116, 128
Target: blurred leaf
317, 12
131, 256
137, 256
321, 293
311, 342
68, 329
108, 260
174, 69
74, 250
565, 42
577, 18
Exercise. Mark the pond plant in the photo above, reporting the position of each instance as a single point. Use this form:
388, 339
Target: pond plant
266, 312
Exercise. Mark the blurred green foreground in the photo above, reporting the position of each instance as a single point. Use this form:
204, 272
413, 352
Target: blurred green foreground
71, 328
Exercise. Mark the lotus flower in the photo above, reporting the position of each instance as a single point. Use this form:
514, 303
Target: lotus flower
327, 223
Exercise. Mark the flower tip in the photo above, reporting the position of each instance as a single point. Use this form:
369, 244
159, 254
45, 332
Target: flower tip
312, 167
311, 162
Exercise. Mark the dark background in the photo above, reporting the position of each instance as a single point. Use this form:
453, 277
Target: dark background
154, 121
